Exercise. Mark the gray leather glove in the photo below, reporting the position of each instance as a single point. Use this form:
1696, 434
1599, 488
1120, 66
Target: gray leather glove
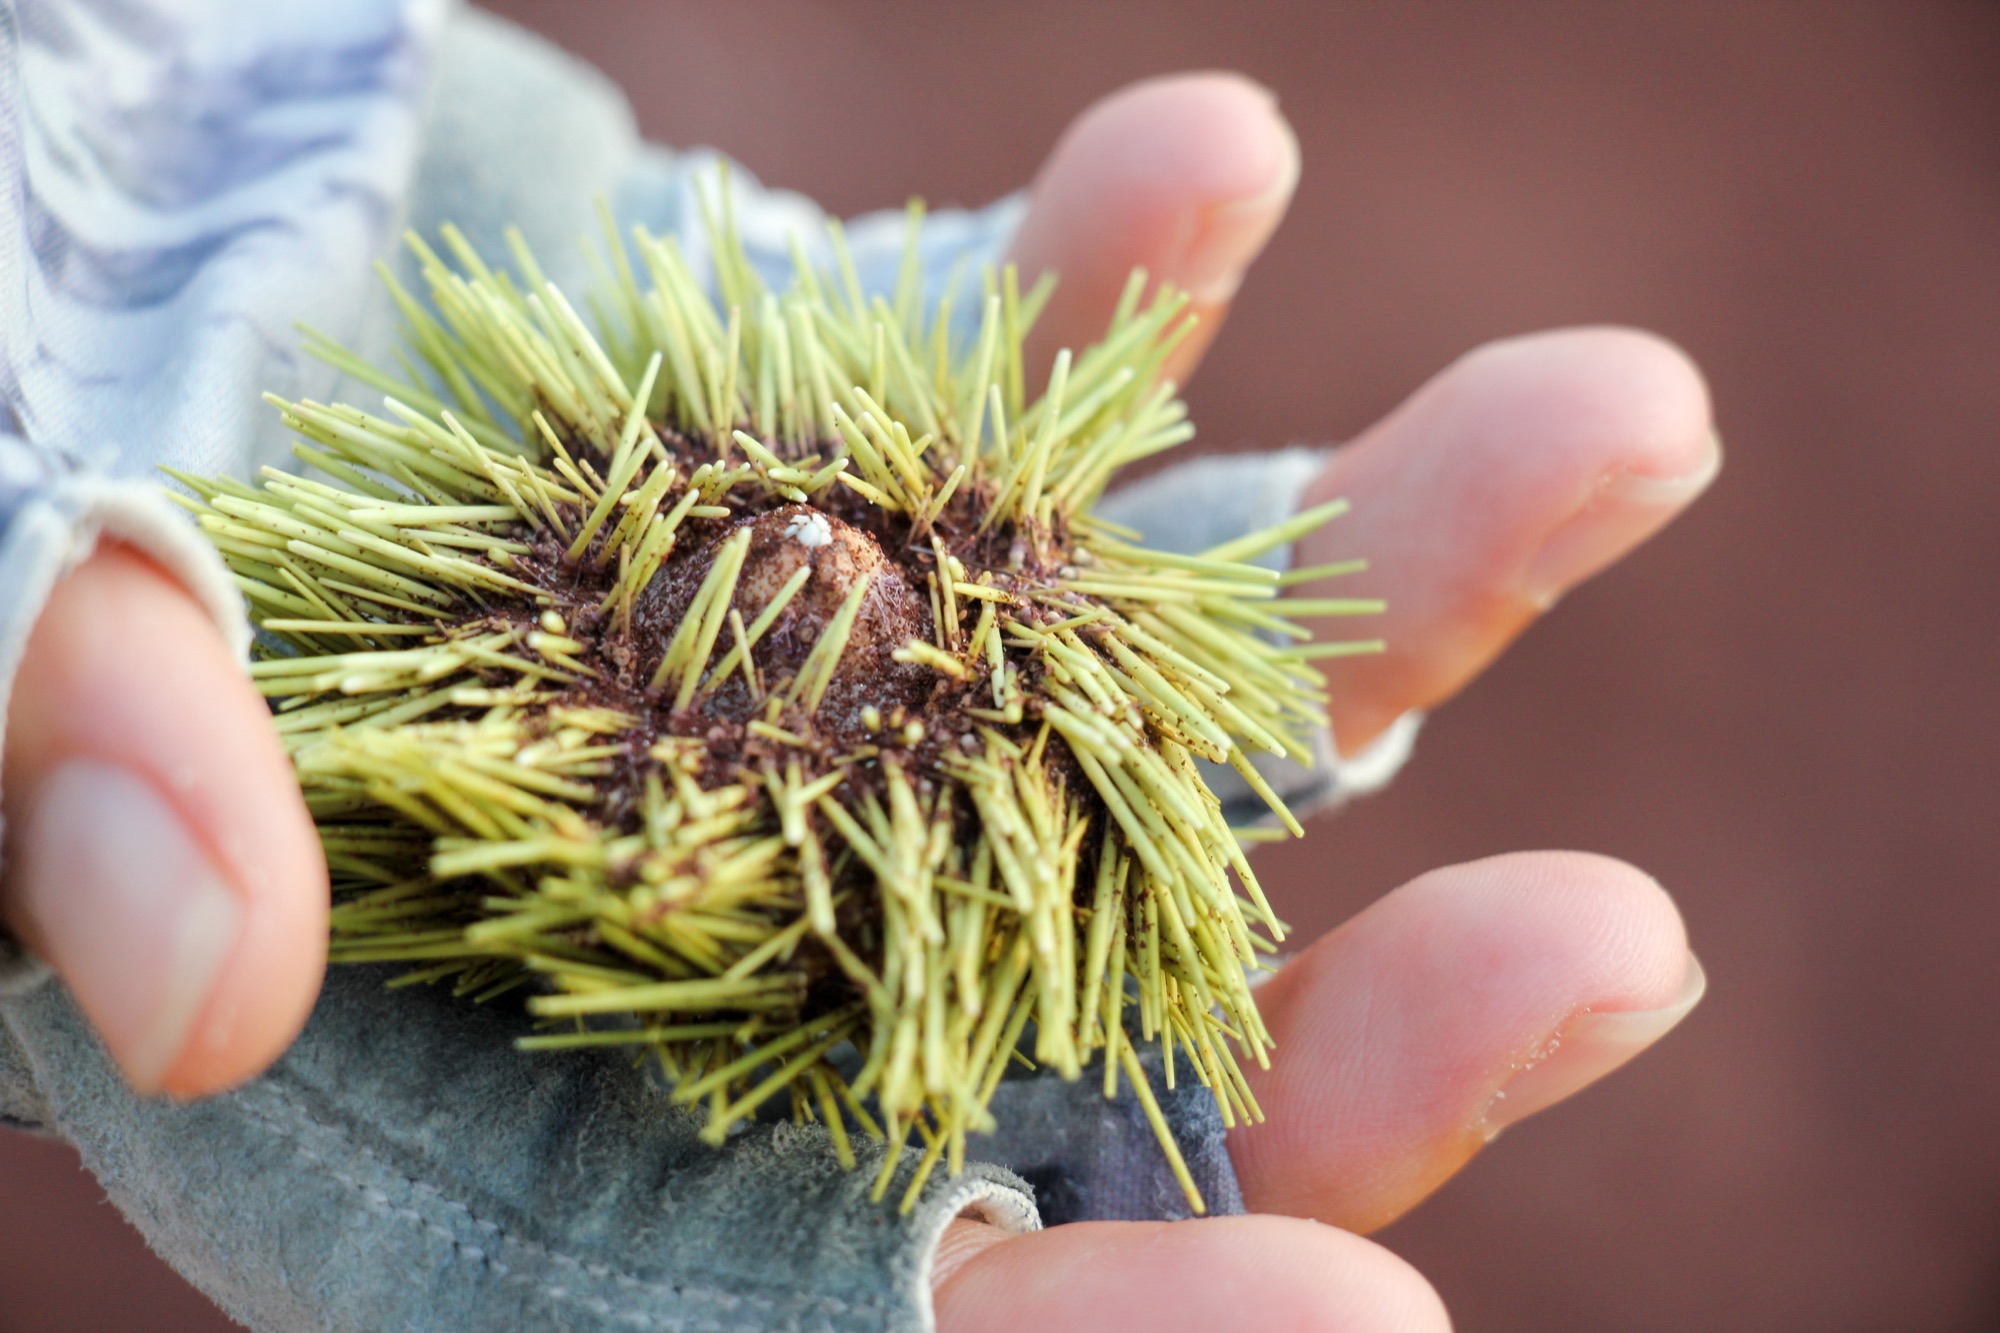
405, 1168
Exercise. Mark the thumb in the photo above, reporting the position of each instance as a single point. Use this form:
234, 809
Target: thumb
157, 852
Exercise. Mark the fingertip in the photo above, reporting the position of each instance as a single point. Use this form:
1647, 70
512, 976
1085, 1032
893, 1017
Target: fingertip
1589, 931
1603, 395
1467, 999
1184, 175
1526, 467
1148, 161
1229, 1273
265, 991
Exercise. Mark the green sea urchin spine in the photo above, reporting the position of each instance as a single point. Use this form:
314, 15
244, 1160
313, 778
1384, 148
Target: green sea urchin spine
753, 678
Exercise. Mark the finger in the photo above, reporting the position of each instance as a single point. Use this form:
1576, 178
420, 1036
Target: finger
1259, 1274
158, 854
1465, 1001
1511, 477
1185, 176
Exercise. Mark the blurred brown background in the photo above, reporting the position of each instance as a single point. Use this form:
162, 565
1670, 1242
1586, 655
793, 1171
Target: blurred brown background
1783, 708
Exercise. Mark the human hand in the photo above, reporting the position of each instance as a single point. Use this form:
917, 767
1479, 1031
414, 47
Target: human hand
160, 858
1475, 995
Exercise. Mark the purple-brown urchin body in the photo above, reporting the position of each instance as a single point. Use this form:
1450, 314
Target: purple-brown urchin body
876, 709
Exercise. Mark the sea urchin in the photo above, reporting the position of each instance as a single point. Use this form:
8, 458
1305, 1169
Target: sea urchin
753, 678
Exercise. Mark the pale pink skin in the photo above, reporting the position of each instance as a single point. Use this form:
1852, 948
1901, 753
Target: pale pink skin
1513, 475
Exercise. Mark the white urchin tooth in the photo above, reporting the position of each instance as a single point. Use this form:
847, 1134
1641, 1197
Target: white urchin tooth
810, 529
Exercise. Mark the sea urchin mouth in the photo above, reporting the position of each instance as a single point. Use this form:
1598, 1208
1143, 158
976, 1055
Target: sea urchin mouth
755, 681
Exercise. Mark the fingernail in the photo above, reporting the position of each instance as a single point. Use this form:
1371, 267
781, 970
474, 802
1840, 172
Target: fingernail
1588, 1047
128, 909
1625, 508
1233, 233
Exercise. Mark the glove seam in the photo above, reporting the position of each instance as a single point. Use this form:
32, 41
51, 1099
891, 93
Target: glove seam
379, 1202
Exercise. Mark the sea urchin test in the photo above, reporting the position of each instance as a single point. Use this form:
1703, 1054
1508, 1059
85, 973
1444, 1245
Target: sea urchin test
749, 680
